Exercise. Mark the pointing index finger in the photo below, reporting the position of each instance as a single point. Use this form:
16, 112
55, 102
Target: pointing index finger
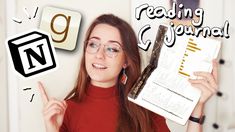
43, 93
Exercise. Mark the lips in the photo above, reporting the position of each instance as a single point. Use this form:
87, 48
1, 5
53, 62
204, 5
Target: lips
98, 66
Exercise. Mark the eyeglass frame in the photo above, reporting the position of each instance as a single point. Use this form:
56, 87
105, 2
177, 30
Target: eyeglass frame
120, 48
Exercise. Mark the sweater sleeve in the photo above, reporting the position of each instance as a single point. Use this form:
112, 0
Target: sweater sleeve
159, 123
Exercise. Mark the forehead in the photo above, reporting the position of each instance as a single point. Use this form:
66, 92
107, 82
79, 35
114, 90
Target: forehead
106, 33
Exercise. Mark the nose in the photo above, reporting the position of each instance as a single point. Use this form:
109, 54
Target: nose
100, 53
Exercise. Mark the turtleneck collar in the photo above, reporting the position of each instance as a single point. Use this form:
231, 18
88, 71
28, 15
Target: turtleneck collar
99, 92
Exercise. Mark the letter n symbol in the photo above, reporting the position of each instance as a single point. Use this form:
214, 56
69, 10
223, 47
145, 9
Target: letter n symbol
30, 53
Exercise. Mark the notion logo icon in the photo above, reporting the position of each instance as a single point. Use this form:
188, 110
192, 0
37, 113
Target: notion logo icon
31, 52
63, 25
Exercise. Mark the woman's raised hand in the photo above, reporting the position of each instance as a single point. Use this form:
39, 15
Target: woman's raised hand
53, 110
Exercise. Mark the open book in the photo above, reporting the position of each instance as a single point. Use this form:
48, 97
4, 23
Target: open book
163, 86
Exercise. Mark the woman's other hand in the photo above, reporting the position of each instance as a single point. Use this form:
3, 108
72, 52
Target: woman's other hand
208, 83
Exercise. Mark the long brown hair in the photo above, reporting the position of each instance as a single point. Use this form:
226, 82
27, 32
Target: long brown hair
132, 118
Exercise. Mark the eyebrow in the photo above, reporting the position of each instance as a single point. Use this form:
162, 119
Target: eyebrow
112, 41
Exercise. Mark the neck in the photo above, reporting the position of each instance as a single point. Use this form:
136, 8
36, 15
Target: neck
103, 84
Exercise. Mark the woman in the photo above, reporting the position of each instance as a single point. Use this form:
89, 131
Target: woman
99, 101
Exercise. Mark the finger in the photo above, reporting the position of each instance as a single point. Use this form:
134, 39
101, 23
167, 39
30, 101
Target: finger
43, 93
204, 83
207, 76
55, 102
52, 112
54, 107
200, 81
215, 70
65, 104
200, 87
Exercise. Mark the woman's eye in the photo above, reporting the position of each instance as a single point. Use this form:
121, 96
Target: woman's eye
93, 45
112, 49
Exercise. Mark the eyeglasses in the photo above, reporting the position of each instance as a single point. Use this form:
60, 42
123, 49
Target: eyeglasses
111, 49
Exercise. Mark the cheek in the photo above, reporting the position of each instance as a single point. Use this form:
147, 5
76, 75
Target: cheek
87, 60
87, 57
116, 68
118, 64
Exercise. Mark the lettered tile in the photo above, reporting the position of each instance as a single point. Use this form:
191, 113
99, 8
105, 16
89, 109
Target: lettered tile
63, 25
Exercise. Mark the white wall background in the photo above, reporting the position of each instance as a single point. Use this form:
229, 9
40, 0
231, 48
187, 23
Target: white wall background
3, 76
25, 116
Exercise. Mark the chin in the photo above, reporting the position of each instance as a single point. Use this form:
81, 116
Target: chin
98, 78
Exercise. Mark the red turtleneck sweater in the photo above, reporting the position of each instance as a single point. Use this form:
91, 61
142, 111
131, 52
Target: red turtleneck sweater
98, 112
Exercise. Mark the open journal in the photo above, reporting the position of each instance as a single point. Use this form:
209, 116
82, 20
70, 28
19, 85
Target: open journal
163, 86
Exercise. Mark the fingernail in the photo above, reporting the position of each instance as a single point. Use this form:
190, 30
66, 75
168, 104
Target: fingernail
39, 82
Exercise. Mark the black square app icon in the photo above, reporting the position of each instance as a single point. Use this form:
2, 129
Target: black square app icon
32, 52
